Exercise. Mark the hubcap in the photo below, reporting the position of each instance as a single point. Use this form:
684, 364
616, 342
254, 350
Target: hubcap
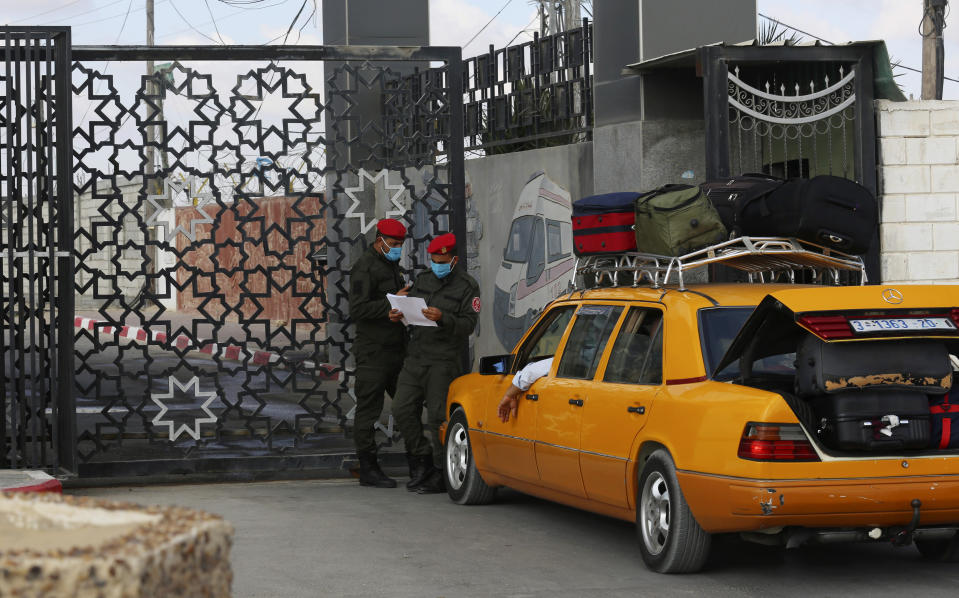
654, 513
457, 456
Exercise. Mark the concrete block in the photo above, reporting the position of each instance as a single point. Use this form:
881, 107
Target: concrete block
907, 237
944, 178
939, 265
56, 545
931, 150
936, 207
893, 266
904, 123
892, 150
907, 179
945, 236
893, 208
944, 122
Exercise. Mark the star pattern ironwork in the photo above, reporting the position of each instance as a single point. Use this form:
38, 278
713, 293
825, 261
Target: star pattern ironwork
194, 429
398, 208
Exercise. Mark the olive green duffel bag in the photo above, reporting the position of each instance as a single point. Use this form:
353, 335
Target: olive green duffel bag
675, 220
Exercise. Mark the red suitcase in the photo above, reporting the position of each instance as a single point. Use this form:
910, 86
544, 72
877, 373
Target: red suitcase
604, 223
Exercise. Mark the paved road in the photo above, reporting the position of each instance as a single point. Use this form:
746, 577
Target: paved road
333, 538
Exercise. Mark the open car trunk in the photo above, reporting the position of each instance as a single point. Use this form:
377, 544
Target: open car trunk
860, 379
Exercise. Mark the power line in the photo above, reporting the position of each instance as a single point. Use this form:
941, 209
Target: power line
215, 26
483, 28
778, 22
190, 24
116, 16
107, 63
523, 30
788, 26
61, 7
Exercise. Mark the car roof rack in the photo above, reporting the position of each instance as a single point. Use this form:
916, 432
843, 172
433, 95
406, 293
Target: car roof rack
763, 259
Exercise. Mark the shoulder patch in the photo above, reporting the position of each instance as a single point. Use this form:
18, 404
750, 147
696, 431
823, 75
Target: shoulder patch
476, 304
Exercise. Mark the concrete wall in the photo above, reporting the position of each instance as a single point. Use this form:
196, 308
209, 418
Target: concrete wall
642, 155
501, 189
919, 184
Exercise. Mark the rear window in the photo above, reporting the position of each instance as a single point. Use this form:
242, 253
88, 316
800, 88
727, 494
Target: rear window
719, 327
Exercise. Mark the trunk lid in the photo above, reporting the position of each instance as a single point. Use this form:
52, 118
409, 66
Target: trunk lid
844, 314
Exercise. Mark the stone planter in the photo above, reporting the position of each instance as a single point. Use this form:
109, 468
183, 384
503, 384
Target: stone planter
52, 545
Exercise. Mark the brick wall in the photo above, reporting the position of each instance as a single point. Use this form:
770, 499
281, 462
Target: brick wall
919, 183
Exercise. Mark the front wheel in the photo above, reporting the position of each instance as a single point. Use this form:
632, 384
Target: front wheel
943, 551
670, 538
463, 481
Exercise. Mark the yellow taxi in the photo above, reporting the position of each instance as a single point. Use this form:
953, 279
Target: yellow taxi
674, 406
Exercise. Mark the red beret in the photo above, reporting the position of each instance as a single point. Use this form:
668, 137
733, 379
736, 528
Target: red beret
388, 227
442, 244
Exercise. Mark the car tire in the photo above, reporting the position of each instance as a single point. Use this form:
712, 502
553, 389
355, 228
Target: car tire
943, 551
670, 538
464, 484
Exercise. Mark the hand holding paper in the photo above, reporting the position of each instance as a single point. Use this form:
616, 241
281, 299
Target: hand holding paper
412, 308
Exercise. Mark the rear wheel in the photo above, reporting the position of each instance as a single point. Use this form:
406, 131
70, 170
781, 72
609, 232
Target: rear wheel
943, 551
463, 481
670, 539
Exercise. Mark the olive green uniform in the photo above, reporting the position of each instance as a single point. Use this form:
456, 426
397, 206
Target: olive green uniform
379, 345
433, 359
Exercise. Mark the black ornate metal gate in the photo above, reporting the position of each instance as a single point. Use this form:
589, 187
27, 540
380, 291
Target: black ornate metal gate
36, 419
218, 203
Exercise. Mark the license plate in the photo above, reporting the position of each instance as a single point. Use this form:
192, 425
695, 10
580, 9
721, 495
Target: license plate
901, 324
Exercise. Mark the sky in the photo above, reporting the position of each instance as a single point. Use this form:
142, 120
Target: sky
455, 22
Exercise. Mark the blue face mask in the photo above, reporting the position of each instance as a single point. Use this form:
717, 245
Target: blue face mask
394, 254
441, 270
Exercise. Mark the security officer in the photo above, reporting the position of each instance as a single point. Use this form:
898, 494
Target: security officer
380, 341
433, 360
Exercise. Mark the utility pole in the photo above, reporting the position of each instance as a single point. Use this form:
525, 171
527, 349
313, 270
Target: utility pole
933, 51
556, 16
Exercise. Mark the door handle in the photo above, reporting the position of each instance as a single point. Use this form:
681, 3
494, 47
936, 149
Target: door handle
640, 410
532, 397
577, 402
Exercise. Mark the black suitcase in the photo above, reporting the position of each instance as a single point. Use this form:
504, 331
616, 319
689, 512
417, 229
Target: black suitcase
871, 420
726, 194
824, 368
828, 210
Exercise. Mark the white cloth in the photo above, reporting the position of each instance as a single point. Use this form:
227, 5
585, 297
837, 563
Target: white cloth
532, 372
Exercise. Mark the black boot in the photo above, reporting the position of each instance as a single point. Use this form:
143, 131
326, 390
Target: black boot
411, 461
372, 475
434, 484
420, 469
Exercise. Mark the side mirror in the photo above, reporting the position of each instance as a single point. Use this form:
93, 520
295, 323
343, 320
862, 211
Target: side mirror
495, 365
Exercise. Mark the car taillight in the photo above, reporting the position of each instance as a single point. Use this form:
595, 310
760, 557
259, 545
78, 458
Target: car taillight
827, 327
776, 442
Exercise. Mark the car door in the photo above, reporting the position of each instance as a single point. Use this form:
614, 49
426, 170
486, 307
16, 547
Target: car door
619, 404
509, 446
563, 394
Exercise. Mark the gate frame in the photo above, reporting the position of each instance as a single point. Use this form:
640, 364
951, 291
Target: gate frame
714, 61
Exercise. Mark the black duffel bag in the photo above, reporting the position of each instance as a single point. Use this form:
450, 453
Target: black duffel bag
729, 193
829, 210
